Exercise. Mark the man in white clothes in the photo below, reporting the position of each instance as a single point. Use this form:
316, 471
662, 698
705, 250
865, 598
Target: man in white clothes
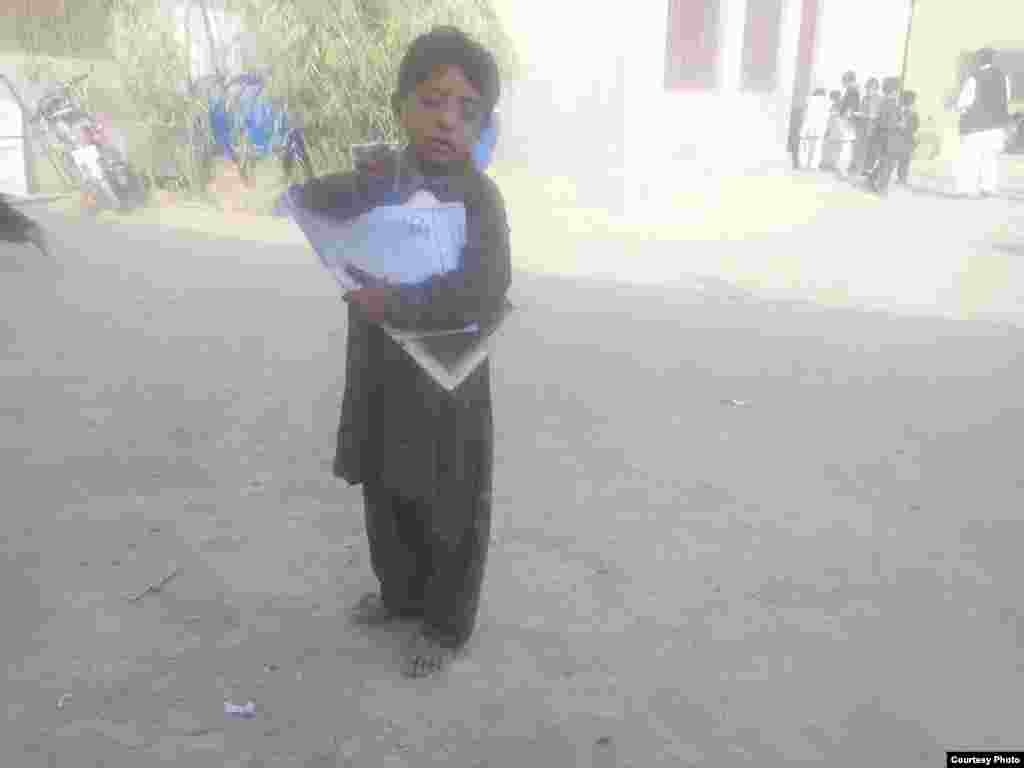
984, 115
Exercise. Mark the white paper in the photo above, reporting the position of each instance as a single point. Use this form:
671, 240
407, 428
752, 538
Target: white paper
401, 244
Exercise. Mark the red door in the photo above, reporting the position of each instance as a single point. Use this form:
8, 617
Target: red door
693, 44
805, 51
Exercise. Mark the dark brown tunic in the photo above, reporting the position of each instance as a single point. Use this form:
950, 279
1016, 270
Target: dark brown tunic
419, 451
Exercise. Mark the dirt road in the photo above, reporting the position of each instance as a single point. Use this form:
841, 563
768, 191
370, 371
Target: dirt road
728, 532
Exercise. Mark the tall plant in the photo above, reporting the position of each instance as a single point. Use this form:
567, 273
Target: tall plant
155, 71
335, 65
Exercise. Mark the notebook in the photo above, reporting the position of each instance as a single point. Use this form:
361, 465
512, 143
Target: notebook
401, 244
406, 244
449, 357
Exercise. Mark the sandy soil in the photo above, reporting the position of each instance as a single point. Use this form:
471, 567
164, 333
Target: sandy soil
821, 574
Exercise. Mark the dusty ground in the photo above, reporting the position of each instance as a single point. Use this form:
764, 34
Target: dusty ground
823, 574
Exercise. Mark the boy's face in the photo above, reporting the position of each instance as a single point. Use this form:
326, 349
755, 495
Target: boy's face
872, 87
443, 117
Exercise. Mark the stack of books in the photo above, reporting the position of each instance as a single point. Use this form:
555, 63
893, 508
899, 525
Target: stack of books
407, 244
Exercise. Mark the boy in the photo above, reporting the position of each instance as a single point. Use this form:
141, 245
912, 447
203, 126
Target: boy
848, 107
913, 123
892, 136
830, 151
867, 150
16, 227
813, 130
422, 455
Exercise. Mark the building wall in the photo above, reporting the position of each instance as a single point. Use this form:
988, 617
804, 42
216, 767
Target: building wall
719, 130
565, 115
867, 37
941, 32
594, 99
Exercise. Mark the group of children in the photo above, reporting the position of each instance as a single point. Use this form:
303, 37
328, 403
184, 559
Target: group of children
871, 135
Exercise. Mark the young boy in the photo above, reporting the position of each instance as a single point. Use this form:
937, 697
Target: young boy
422, 455
830, 150
913, 125
16, 227
814, 130
867, 150
849, 106
892, 136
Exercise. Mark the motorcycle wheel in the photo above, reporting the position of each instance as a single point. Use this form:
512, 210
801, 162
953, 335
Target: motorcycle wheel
122, 182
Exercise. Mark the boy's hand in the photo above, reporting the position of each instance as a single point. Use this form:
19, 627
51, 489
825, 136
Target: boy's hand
365, 279
374, 302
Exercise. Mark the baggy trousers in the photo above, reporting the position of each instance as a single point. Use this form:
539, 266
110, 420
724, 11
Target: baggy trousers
978, 163
422, 575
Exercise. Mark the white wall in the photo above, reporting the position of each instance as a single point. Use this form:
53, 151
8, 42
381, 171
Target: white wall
866, 36
565, 115
681, 137
576, 101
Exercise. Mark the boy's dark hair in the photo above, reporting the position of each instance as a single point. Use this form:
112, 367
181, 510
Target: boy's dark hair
985, 57
835, 95
908, 98
849, 77
890, 85
818, 92
449, 46
872, 82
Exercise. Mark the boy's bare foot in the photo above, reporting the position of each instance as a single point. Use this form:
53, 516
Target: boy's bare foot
425, 656
370, 611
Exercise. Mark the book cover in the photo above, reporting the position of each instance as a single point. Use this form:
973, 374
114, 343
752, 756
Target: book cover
448, 356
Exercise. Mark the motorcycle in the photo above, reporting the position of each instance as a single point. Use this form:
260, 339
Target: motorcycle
88, 157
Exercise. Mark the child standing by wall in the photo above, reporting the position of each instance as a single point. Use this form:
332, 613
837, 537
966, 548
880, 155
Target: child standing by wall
814, 130
849, 106
892, 136
423, 455
867, 150
830, 150
913, 124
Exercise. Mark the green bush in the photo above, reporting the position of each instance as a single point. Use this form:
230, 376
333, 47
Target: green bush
333, 64
154, 75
